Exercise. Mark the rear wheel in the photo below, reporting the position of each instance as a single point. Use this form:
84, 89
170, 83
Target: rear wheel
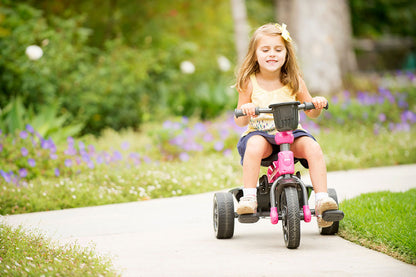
223, 215
333, 229
290, 217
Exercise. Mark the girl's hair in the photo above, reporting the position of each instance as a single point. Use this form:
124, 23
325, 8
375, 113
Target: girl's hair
289, 72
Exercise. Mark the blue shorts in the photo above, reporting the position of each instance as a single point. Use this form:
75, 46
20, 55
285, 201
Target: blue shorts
242, 144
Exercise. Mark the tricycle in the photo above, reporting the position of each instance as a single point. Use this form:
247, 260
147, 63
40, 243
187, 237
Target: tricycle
281, 193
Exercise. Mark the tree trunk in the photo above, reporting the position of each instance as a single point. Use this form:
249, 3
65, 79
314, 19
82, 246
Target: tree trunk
322, 32
239, 12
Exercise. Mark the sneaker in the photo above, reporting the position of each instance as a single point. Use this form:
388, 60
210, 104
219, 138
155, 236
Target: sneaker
323, 205
247, 205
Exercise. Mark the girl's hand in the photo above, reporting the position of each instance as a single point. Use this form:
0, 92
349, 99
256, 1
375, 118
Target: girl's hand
319, 102
249, 109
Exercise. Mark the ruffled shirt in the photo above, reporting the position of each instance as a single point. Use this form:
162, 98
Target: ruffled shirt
263, 98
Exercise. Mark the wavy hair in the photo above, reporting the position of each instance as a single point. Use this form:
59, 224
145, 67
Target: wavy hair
290, 72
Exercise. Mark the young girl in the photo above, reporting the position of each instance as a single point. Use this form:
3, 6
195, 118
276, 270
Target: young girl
269, 74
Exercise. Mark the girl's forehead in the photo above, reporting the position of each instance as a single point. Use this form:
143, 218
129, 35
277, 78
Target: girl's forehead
267, 40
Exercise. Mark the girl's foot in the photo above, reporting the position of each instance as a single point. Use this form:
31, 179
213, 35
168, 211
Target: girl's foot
323, 205
247, 205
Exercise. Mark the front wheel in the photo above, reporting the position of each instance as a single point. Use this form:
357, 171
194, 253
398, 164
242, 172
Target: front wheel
290, 217
223, 215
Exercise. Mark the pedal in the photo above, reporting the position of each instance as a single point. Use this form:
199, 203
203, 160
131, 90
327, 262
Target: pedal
248, 218
333, 215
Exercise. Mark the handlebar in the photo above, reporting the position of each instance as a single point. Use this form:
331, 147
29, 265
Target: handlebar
305, 106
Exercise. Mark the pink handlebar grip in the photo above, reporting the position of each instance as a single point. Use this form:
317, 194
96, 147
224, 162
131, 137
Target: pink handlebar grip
274, 216
307, 216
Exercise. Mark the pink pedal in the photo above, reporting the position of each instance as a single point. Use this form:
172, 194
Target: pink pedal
307, 216
274, 216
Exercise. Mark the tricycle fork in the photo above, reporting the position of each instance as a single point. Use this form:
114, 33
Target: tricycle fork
281, 183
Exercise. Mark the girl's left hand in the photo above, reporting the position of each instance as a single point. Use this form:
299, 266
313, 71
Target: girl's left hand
319, 102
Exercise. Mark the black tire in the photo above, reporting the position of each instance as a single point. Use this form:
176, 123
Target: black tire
223, 215
290, 217
333, 229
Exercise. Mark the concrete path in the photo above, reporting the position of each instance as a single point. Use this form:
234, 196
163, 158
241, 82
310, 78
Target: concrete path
174, 236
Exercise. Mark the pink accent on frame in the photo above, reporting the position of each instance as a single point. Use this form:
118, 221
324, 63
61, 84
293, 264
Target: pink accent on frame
284, 137
274, 216
307, 215
285, 164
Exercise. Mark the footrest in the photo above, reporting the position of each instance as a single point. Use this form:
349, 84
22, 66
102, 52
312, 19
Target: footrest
333, 215
248, 218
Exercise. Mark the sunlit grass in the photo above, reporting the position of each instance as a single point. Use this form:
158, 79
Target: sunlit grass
383, 221
24, 253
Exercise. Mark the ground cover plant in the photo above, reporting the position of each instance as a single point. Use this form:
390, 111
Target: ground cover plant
383, 221
30, 254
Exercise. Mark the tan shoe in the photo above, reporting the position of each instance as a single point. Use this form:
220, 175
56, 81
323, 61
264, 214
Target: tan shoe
323, 205
247, 205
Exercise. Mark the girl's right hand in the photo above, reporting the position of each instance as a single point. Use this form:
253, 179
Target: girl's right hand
249, 109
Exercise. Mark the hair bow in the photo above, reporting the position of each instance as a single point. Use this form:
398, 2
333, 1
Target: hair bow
285, 32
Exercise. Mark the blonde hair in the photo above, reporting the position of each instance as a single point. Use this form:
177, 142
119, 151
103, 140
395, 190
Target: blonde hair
289, 72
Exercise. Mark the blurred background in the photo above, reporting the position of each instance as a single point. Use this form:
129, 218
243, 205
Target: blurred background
117, 63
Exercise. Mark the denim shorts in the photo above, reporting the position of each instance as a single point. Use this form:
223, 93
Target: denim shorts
242, 144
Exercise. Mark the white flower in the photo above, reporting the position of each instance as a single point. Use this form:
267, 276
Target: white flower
187, 67
223, 63
34, 52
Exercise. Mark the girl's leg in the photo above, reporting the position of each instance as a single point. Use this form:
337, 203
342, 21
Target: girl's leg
257, 148
309, 149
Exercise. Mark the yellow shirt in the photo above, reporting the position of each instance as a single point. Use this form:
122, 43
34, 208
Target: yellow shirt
262, 98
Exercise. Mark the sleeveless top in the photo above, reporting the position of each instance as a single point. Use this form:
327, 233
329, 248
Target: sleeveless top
262, 98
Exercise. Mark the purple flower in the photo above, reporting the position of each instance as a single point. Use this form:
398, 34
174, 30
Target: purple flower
90, 164
31, 162
23, 172
70, 151
184, 156
382, 117
219, 145
70, 141
68, 162
29, 128
53, 156
23, 134
6, 176
125, 145
57, 173
24, 151
81, 145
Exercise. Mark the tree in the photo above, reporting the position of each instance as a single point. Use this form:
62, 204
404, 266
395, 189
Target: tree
238, 8
323, 34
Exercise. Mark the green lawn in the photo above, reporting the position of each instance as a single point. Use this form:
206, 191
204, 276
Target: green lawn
383, 221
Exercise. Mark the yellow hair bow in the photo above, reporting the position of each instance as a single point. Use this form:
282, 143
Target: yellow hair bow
285, 32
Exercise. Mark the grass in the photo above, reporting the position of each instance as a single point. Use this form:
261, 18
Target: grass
383, 221
29, 254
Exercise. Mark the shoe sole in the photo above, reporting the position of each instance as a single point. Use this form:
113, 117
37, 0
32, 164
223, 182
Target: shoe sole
325, 207
245, 210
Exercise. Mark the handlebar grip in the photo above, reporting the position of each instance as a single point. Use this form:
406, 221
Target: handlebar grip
310, 106
239, 112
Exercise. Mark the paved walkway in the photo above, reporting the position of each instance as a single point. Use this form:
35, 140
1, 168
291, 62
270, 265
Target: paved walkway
174, 236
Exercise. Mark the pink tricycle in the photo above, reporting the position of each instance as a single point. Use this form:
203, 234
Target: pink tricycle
281, 194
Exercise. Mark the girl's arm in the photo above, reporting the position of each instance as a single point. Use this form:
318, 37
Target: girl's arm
244, 103
304, 96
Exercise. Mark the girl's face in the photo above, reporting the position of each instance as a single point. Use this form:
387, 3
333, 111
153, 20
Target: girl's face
271, 53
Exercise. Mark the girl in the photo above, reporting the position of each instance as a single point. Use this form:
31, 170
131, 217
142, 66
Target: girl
269, 74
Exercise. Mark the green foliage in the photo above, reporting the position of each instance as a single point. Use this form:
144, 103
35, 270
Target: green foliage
377, 17
369, 222
133, 77
24, 253
47, 122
